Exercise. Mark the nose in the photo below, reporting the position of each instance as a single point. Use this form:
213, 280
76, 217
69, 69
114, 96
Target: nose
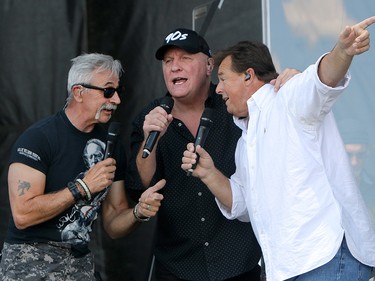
116, 98
219, 88
175, 66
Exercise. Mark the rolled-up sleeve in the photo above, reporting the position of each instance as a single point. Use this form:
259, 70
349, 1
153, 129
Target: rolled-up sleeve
239, 210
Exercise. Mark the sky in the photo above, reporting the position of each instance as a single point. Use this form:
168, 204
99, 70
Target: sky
302, 30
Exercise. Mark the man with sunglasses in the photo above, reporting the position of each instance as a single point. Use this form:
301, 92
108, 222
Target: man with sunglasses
59, 179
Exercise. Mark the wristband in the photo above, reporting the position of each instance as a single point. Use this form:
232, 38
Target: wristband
85, 188
74, 190
137, 217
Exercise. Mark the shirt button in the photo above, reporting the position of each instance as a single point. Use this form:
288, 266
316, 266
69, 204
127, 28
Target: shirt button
199, 193
179, 124
206, 244
203, 219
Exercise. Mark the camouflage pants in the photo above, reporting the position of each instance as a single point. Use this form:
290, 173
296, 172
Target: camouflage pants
41, 261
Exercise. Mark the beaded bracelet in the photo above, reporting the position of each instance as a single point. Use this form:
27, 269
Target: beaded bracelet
137, 217
85, 188
74, 190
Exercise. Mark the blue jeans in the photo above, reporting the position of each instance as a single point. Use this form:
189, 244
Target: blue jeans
343, 267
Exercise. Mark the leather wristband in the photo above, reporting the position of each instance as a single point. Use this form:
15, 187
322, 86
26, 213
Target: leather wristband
74, 190
85, 188
137, 217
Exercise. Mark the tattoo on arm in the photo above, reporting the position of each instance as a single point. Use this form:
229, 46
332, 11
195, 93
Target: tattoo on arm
23, 186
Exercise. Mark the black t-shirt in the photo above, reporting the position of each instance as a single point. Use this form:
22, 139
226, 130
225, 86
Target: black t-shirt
56, 148
194, 240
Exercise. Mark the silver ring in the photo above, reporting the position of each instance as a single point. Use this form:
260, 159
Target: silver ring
148, 207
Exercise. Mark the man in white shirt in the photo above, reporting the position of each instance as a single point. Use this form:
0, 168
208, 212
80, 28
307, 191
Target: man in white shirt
293, 179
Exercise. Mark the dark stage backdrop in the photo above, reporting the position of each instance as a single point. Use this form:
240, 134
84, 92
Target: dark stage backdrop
39, 37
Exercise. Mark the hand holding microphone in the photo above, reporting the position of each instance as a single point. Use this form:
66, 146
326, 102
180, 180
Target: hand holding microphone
112, 138
113, 133
167, 104
204, 168
203, 130
93, 180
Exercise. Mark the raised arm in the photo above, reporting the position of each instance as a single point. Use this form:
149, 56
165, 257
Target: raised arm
353, 40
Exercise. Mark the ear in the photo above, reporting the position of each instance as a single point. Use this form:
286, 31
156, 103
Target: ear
77, 92
210, 65
249, 73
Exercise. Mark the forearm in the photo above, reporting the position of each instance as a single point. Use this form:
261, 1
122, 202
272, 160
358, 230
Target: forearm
146, 166
120, 224
220, 187
119, 219
41, 208
353, 40
334, 66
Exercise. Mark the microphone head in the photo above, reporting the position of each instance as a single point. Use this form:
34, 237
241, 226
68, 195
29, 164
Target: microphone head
113, 131
206, 119
167, 104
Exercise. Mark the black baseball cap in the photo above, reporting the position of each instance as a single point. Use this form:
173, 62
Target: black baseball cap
185, 39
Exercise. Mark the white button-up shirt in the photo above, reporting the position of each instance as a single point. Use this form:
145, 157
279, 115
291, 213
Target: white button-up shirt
294, 182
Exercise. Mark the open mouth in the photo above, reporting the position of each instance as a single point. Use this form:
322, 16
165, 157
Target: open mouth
179, 81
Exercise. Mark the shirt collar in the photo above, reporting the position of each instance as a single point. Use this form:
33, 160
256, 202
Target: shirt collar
258, 100
261, 97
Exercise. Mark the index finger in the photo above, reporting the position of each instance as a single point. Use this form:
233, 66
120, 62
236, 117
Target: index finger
367, 22
190, 147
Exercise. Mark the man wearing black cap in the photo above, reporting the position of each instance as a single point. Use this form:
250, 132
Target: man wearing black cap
185, 39
193, 240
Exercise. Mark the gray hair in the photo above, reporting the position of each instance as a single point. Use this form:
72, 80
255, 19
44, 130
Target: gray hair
85, 65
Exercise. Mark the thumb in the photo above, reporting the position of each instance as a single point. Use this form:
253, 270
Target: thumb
159, 185
346, 32
201, 151
346, 38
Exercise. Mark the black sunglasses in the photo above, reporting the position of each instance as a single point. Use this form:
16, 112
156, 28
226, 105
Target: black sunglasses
108, 92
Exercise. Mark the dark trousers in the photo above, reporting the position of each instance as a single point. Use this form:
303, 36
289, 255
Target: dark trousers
162, 274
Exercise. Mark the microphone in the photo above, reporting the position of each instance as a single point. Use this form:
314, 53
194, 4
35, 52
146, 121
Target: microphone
203, 129
113, 133
166, 103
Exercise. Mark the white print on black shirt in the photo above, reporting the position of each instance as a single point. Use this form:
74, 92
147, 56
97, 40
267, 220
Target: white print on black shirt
28, 153
75, 227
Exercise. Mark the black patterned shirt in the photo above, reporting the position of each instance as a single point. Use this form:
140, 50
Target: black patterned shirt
194, 240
